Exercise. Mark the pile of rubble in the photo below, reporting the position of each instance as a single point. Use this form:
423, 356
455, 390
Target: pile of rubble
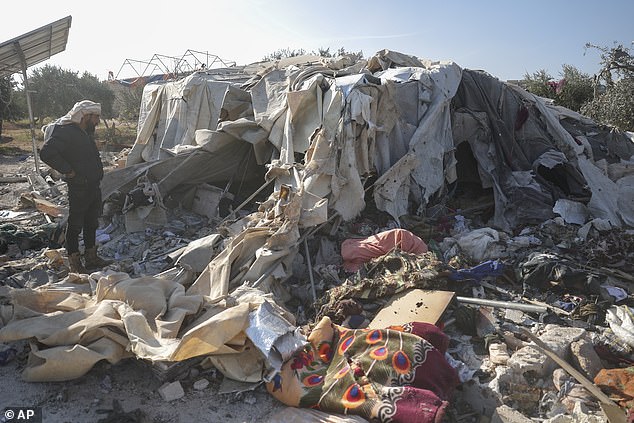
285, 230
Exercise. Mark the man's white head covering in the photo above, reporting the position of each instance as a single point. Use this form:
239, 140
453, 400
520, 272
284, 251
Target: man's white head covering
79, 110
85, 107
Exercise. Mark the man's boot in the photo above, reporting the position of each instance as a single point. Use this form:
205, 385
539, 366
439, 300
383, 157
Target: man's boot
93, 261
75, 264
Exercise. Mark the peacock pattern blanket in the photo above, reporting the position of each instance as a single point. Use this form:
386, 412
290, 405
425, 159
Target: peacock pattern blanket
396, 374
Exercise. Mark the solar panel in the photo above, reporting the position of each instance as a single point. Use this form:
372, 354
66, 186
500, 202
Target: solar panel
36, 46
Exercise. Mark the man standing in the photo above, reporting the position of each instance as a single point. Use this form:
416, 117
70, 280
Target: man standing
69, 148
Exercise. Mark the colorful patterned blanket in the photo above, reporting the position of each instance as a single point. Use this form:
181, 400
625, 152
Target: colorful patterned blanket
397, 374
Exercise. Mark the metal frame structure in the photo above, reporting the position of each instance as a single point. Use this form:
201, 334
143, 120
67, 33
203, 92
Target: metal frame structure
29, 49
190, 61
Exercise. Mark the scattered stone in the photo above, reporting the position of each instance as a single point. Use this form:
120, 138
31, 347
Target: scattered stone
171, 391
511, 387
560, 337
580, 414
498, 353
505, 414
577, 394
560, 418
532, 360
201, 384
481, 399
586, 358
512, 342
516, 316
560, 378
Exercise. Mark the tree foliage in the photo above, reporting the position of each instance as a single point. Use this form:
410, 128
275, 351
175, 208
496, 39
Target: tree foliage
321, 51
613, 101
615, 106
577, 88
573, 90
616, 62
56, 90
127, 101
9, 107
283, 53
539, 83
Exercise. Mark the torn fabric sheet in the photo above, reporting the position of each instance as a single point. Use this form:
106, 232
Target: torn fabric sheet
198, 253
176, 111
143, 316
603, 203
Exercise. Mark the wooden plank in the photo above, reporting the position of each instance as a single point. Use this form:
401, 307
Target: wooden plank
614, 413
49, 208
12, 179
416, 305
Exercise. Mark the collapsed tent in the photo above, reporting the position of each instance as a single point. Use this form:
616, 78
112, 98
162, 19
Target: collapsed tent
332, 136
398, 123
528, 157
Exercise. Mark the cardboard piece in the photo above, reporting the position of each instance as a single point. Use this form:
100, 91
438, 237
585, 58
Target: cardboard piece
415, 305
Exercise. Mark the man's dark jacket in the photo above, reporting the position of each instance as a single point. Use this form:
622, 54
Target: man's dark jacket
68, 149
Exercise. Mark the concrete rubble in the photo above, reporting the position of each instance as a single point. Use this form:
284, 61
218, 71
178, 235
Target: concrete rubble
226, 225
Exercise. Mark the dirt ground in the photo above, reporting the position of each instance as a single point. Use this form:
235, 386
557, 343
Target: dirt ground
126, 391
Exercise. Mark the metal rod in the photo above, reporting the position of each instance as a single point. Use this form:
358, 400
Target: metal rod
503, 304
310, 270
267, 273
18, 49
245, 202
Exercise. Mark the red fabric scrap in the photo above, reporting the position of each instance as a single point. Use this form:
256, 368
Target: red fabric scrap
355, 252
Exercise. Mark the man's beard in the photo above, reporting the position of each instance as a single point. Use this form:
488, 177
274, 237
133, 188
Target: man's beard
90, 129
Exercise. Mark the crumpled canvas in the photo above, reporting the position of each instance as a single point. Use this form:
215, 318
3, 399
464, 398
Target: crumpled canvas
143, 317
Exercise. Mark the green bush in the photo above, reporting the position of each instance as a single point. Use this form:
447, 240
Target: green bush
573, 90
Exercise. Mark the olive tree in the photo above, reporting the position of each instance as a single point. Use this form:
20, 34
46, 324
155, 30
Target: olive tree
9, 107
56, 90
572, 90
321, 51
613, 101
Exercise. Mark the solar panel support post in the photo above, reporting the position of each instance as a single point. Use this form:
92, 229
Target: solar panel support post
20, 53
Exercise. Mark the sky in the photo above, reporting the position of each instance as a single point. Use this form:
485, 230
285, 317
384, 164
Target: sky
505, 38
